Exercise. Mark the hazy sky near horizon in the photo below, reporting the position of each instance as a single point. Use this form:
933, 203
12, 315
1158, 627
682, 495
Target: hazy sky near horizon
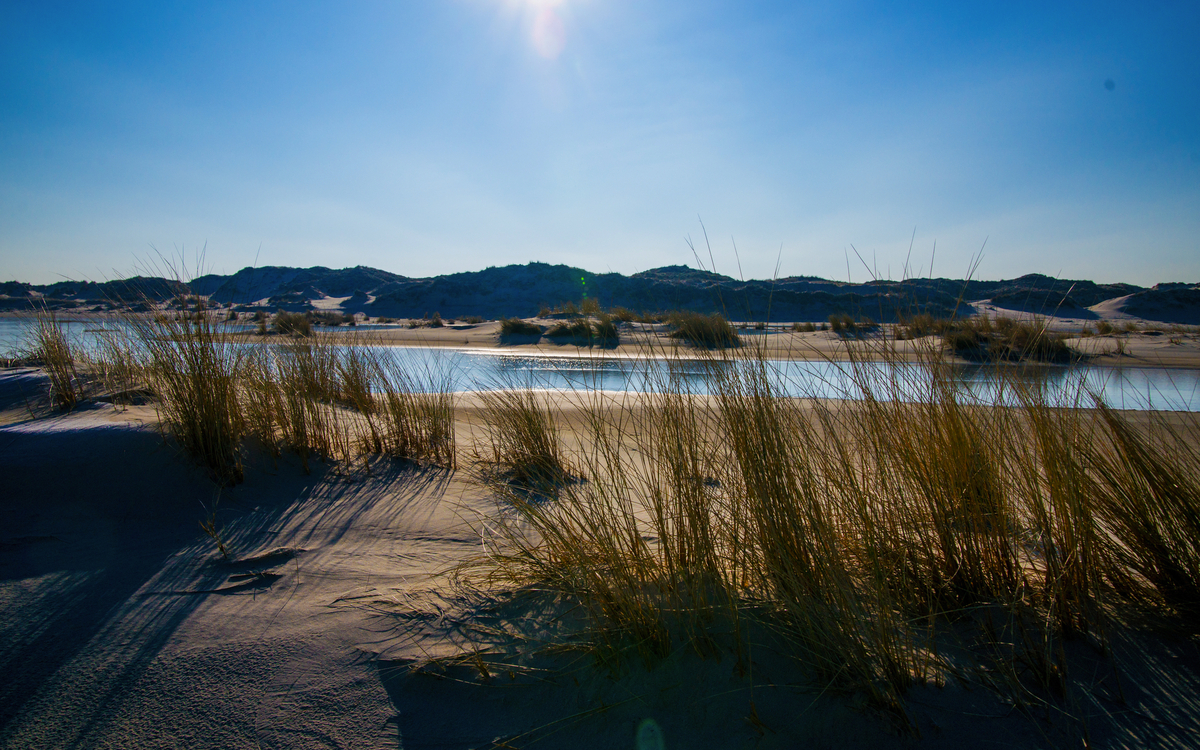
434, 136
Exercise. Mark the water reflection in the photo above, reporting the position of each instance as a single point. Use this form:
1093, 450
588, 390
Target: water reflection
1127, 388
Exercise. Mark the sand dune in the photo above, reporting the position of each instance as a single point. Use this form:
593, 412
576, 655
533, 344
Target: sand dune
122, 626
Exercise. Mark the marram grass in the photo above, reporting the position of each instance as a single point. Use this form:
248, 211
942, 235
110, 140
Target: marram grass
864, 532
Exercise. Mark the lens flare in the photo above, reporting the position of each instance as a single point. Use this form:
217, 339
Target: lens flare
549, 33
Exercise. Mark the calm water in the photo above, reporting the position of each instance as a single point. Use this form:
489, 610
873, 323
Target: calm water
1127, 387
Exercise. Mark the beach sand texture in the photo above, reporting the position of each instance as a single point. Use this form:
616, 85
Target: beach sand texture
122, 626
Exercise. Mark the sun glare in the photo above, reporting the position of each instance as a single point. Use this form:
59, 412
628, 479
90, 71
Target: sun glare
549, 33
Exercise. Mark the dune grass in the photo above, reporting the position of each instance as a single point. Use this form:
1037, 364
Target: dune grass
51, 348
705, 331
523, 446
216, 391
293, 323
912, 533
510, 327
577, 330
1004, 339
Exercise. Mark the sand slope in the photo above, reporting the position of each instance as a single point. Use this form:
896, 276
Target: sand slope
122, 627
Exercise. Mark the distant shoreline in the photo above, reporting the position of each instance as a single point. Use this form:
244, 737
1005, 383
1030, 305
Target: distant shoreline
1154, 349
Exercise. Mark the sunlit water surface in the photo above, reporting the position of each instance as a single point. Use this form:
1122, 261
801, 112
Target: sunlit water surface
475, 370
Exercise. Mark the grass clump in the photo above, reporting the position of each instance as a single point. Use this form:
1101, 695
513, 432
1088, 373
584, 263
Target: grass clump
1006, 339
604, 328
515, 327
921, 325
914, 532
294, 324
623, 314
1148, 494
305, 396
416, 414
578, 330
195, 369
707, 331
51, 348
331, 319
523, 443
847, 326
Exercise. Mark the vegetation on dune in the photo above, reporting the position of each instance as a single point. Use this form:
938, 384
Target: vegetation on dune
912, 534
1002, 339
54, 352
307, 396
1006, 339
707, 331
523, 448
510, 327
602, 331
849, 326
331, 318
605, 330
295, 324
623, 315
577, 329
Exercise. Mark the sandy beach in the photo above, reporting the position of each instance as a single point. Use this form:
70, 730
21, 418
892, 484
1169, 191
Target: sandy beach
123, 626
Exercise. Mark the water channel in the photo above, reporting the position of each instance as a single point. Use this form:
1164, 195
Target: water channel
483, 369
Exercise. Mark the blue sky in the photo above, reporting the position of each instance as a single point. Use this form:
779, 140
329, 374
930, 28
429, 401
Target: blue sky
435, 136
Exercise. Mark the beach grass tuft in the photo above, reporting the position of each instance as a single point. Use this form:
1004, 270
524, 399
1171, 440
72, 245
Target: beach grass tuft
911, 532
51, 347
706, 331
